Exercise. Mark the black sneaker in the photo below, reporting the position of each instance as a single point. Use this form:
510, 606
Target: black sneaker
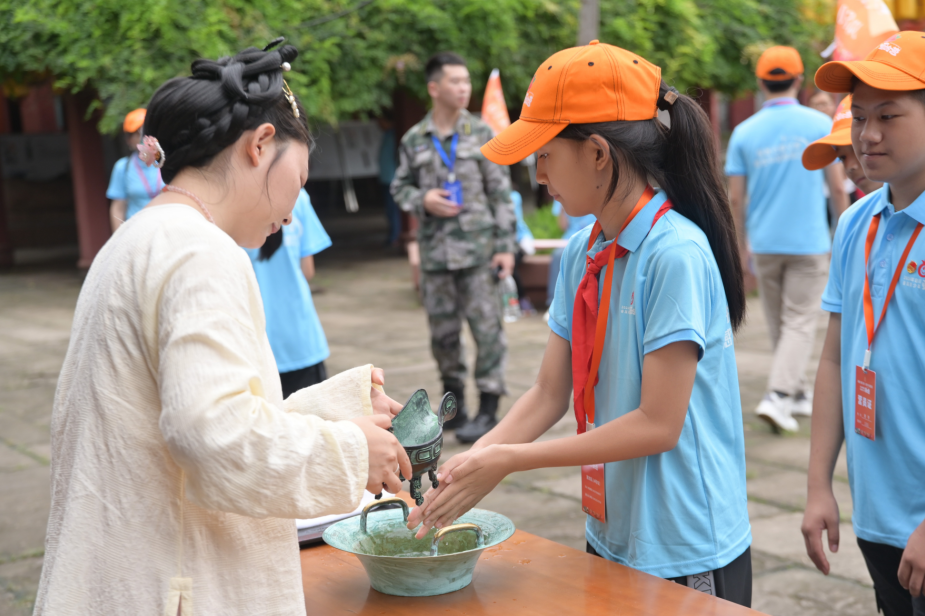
476, 429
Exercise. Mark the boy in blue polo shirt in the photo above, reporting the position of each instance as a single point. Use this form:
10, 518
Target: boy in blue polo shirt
283, 267
870, 386
784, 225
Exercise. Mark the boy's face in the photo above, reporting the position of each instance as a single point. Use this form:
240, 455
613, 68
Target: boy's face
853, 168
453, 88
888, 134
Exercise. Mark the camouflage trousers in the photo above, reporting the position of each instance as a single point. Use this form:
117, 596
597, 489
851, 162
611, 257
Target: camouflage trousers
470, 293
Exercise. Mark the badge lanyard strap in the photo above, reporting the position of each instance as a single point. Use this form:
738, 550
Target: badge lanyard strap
144, 179
868, 303
449, 161
600, 328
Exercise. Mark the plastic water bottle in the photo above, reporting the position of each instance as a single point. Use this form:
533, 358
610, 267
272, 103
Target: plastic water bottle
510, 302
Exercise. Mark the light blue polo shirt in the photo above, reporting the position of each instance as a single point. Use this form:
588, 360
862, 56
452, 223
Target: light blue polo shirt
575, 223
128, 182
885, 474
786, 212
293, 327
684, 511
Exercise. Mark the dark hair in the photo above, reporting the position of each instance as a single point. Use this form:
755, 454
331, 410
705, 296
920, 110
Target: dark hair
269, 248
683, 161
776, 87
434, 67
195, 118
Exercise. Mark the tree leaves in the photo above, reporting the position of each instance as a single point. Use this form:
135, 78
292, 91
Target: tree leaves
354, 53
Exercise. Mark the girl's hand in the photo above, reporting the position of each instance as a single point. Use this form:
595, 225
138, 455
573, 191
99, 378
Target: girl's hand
382, 404
386, 455
417, 513
821, 515
912, 566
465, 485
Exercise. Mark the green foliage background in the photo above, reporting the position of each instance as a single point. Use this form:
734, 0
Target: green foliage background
353, 58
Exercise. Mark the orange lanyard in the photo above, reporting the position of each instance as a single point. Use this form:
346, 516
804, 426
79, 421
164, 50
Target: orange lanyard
868, 303
600, 330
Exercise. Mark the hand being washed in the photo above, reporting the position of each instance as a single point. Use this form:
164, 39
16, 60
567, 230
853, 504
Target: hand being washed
382, 404
465, 479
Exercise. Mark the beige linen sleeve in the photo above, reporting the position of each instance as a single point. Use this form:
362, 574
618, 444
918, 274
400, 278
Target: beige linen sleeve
343, 396
240, 453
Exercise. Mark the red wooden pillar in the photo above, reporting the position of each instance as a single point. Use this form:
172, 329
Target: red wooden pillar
740, 110
709, 102
89, 178
6, 245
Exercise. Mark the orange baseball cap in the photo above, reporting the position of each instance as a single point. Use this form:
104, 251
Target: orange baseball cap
821, 153
779, 63
897, 64
134, 120
580, 85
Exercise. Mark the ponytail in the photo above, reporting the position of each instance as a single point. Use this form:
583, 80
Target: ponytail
692, 179
683, 161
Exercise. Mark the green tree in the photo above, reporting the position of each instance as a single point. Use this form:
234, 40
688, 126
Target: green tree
354, 53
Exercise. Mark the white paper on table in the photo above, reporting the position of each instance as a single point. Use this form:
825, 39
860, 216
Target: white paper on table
327, 520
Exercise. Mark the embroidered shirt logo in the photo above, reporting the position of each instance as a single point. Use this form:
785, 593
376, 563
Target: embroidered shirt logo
890, 48
914, 278
631, 309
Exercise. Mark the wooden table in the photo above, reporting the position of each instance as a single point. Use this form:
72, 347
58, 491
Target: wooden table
524, 575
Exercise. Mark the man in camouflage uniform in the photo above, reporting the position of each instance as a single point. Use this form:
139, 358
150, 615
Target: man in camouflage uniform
461, 245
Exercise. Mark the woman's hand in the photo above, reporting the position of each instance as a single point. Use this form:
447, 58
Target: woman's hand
386, 455
382, 404
467, 478
821, 515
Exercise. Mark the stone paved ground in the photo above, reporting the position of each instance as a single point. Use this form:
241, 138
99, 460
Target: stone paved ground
371, 314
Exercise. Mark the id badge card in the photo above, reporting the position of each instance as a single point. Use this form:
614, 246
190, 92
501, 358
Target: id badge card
593, 501
455, 190
865, 402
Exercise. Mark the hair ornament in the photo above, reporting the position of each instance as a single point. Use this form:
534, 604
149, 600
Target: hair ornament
668, 99
286, 67
150, 152
291, 98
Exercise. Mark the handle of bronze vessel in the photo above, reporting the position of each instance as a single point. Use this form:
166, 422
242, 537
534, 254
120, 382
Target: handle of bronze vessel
457, 528
380, 504
447, 415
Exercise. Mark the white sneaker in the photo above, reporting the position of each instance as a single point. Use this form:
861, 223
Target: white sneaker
802, 404
775, 410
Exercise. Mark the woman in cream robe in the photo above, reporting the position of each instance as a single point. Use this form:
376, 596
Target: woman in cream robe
175, 459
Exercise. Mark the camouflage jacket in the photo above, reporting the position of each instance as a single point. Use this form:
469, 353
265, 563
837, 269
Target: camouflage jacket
486, 223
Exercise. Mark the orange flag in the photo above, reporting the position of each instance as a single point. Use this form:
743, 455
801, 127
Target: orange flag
860, 26
494, 109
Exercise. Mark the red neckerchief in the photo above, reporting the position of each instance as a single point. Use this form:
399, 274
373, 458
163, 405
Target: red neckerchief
590, 328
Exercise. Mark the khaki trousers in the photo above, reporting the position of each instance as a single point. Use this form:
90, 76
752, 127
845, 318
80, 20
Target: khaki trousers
791, 288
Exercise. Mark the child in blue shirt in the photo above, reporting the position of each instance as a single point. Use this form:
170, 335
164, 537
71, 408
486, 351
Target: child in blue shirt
132, 183
283, 266
642, 329
869, 387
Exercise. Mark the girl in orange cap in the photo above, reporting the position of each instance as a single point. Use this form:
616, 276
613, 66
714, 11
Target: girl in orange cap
869, 386
642, 328
132, 183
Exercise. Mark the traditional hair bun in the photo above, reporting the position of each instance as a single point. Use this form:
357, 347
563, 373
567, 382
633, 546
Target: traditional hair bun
195, 118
